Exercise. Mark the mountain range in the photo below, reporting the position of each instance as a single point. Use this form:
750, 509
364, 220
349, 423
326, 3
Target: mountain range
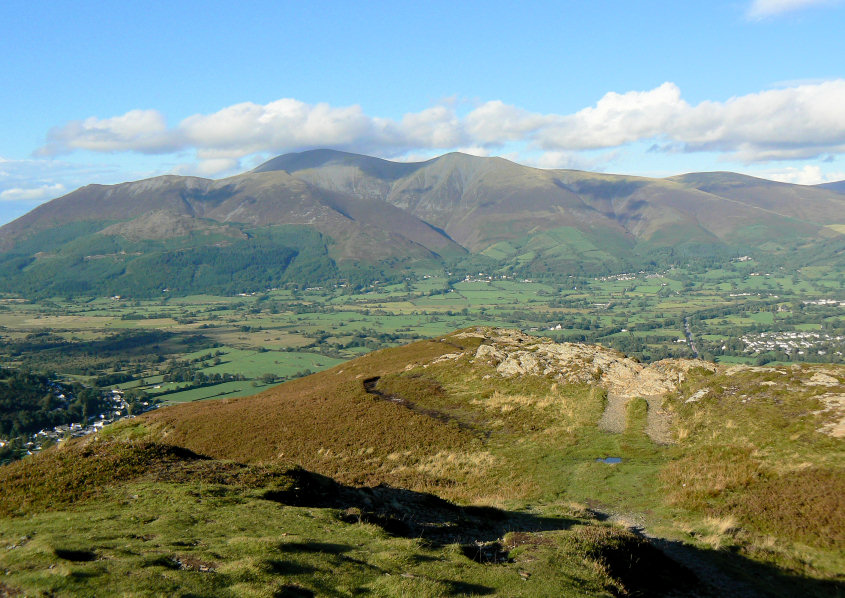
326, 214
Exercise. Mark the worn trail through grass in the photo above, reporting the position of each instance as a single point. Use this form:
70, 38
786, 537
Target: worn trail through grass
370, 387
615, 414
658, 422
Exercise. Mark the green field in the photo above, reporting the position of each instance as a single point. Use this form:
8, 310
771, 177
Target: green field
287, 332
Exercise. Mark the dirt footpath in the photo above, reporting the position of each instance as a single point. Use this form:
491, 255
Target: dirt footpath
658, 422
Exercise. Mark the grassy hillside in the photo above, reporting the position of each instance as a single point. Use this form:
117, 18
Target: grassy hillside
565, 460
165, 521
98, 264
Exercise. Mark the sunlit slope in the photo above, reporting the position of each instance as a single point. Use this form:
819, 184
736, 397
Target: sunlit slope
254, 200
507, 416
482, 201
815, 205
326, 422
736, 471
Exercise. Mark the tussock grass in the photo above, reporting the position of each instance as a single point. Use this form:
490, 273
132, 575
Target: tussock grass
805, 506
716, 531
458, 465
694, 481
86, 470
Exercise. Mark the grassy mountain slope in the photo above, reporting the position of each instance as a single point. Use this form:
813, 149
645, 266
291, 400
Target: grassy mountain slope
480, 201
271, 198
102, 203
735, 472
477, 201
377, 214
667, 213
807, 204
838, 186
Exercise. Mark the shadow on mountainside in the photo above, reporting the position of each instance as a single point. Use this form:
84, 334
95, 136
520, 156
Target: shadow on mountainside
646, 566
410, 514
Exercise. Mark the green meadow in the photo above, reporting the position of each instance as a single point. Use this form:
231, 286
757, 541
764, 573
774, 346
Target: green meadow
290, 331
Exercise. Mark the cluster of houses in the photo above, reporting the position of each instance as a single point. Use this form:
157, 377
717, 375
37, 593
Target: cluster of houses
623, 276
826, 302
119, 409
797, 341
488, 278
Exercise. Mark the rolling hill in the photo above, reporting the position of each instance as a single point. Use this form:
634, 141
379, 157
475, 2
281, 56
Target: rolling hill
332, 215
482, 462
838, 186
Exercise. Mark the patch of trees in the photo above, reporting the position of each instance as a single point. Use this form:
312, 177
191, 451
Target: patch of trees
113, 379
45, 351
187, 372
30, 402
105, 265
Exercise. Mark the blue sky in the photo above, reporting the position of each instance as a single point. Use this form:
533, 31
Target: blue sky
97, 92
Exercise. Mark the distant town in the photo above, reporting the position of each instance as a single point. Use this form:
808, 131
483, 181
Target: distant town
120, 408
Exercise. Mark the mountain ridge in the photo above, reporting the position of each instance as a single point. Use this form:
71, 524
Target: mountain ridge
379, 214
447, 193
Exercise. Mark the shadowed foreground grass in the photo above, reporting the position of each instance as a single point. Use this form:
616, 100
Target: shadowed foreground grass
338, 484
223, 529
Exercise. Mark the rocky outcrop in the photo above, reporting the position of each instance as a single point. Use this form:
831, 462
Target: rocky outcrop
514, 353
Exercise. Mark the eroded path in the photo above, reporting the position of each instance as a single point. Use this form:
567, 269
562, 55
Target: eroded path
370, 387
658, 422
615, 414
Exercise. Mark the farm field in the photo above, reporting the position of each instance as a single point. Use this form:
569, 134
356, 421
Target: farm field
187, 348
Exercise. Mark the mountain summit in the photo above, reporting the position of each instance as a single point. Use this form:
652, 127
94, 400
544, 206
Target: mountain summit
333, 212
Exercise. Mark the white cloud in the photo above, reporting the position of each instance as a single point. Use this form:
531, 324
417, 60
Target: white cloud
795, 123
247, 128
571, 160
438, 126
142, 131
808, 175
34, 194
496, 122
760, 9
798, 122
617, 119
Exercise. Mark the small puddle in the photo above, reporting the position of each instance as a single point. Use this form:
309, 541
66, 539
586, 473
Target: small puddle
611, 460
